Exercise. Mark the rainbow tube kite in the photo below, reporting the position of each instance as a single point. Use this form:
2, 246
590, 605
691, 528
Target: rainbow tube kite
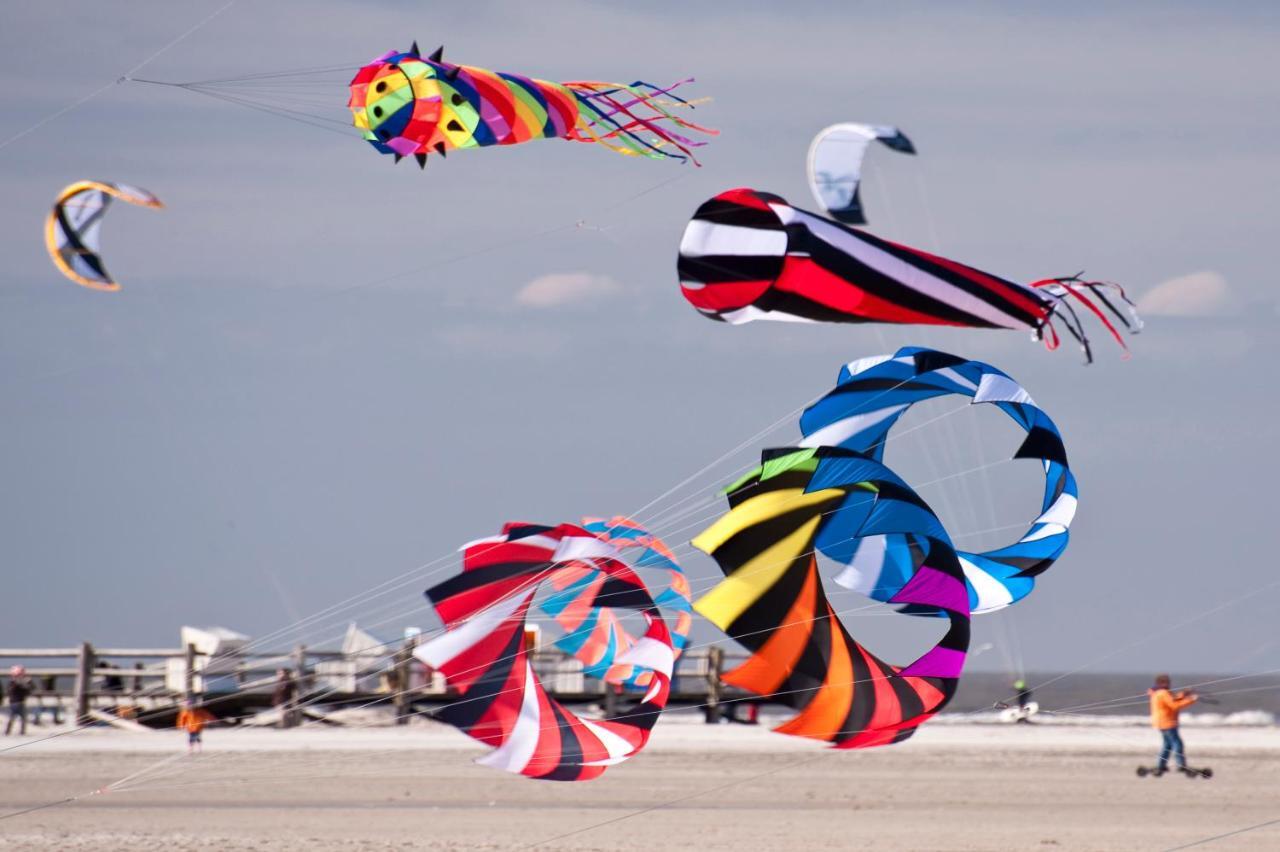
407, 104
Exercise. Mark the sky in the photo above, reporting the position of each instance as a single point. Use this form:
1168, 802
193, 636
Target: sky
326, 372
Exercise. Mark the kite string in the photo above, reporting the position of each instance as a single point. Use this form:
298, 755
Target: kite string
885, 392
368, 595
295, 776
1104, 703
869, 606
329, 761
712, 582
1010, 644
320, 696
1157, 633
638, 513
1205, 840
415, 571
66, 109
537, 579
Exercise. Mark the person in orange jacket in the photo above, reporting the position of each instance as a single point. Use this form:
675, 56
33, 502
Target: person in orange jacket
192, 718
1165, 706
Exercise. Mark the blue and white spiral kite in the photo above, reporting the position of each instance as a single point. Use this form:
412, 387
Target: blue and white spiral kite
870, 396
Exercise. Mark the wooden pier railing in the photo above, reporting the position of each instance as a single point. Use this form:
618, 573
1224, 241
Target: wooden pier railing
149, 685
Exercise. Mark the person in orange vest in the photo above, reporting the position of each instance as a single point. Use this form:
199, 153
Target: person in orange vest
192, 718
1165, 706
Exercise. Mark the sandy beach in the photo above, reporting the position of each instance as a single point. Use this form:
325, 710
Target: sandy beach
955, 786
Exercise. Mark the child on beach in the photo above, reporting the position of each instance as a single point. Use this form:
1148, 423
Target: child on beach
1165, 706
192, 719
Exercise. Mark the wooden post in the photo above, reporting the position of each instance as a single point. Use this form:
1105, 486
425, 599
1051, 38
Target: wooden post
84, 683
401, 681
189, 673
715, 662
293, 711
300, 666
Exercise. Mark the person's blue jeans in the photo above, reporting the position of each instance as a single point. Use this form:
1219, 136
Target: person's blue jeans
19, 712
1171, 742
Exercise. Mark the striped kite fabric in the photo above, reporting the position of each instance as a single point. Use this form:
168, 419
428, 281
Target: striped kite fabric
772, 599
870, 396
484, 656
594, 632
748, 255
409, 104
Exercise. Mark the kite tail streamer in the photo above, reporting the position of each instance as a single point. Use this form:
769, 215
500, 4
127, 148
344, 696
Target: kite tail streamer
1086, 292
616, 116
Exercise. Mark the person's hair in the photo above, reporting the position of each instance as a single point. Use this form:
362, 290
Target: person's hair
1162, 680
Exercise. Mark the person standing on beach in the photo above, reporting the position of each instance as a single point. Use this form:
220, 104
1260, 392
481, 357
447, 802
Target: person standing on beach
192, 718
1165, 706
19, 688
284, 696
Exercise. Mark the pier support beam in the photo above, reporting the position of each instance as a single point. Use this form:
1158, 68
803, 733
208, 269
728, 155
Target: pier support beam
400, 683
715, 663
302, 686
189, 673
84, 683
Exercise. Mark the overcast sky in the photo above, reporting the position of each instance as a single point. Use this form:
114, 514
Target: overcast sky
325, 370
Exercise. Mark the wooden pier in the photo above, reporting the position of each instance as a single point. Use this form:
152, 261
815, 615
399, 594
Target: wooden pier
146, 687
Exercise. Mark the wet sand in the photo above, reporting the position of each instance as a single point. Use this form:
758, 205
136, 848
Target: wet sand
953, 787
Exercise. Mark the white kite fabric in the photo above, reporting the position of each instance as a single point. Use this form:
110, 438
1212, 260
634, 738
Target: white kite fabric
835, 165
71, 232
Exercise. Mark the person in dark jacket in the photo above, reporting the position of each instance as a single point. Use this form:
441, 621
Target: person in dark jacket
19, 688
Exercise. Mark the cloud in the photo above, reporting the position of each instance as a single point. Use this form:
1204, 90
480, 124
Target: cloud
1200, 294
566, 288
501, 342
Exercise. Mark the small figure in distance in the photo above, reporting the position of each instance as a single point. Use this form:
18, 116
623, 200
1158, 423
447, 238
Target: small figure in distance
192, 718
1024, 699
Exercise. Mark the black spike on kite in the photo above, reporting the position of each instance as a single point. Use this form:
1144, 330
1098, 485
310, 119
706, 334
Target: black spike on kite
399, 157
413, 50
438, 54
422, 160
440, 149
452, 73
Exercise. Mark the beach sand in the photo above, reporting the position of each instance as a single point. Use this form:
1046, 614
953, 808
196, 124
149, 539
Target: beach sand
952, 787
